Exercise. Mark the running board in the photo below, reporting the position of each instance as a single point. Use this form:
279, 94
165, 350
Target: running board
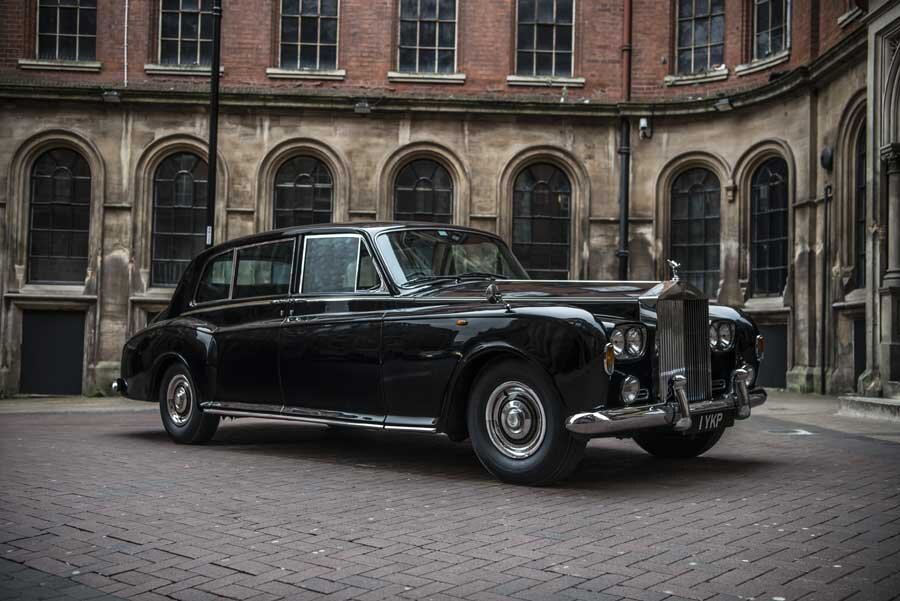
316, 420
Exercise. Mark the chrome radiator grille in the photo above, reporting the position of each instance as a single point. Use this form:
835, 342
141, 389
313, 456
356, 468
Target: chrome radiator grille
682, 331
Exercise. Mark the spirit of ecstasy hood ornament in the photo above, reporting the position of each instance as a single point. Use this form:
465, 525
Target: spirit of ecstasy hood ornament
674, 266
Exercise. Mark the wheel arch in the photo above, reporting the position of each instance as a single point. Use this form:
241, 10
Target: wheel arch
164, 362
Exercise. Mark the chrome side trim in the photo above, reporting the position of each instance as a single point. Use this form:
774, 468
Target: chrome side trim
412, 429
293, 418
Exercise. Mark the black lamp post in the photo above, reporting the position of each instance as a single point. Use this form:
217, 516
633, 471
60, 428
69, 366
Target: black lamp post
213, 123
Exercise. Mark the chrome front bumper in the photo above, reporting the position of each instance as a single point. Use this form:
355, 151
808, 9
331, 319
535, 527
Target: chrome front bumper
677, 415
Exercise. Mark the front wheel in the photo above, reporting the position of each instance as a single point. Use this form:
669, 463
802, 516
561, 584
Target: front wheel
672, 445
516, 423
179, 407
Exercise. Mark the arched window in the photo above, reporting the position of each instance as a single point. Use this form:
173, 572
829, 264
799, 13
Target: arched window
695, 236
304, 192
60, 217
769, 228
179, 216
542, 214
423, 191
859, 191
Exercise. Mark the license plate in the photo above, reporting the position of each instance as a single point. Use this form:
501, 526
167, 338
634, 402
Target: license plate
706, 422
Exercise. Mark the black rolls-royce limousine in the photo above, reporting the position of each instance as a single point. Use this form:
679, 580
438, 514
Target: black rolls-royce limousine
428, 328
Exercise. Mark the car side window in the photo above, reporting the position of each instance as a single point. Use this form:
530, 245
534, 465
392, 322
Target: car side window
215, 283
264, 269
337, 264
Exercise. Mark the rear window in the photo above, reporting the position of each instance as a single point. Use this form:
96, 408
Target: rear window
215, 283
264, 269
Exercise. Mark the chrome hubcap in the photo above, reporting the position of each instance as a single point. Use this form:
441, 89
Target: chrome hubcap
515, 420
179, 399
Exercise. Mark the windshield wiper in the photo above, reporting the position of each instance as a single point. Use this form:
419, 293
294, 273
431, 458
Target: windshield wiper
429, 278
480, 275
456, 277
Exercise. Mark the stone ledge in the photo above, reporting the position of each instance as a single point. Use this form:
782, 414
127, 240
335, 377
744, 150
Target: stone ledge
870, 408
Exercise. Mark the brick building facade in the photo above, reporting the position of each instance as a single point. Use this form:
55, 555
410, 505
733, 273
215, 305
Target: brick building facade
505, 115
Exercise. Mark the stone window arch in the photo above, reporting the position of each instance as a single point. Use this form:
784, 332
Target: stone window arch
179, 215
59, 218
769, 234
695, 227
542, 220
303, 193
423, 191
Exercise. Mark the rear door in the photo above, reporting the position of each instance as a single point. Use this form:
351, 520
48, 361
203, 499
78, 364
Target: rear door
331, 343
248, 326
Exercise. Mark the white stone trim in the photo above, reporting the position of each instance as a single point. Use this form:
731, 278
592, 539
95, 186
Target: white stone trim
327, 74
193, 70
718, 74
554, 82
762, 64
58, 65
850, 16
401, 77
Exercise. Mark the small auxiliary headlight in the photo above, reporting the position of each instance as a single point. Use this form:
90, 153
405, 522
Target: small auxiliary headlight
618, 341
630, 388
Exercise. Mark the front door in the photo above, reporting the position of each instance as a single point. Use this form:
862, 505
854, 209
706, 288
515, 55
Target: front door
52, 352
331, 343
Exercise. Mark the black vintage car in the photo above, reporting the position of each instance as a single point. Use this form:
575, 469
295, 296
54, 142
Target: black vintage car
429, 328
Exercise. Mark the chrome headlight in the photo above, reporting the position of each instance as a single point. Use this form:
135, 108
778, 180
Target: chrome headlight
721, 335
629, 340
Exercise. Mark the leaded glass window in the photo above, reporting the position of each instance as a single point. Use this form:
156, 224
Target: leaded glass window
427, 36
859, 238
309, 34
542, 221
769, 228
179, 216
60, 218
544, 37
304, 192
695, 228
701, 35
423, 191
185, 32
67, 30
772, 30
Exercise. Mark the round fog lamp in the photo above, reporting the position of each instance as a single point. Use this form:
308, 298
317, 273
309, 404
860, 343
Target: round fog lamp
713, 336
618, 342
726, 334
630, 388
635, 341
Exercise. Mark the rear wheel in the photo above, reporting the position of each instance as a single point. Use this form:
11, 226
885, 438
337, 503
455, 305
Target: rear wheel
179, 407
672, 445
516, 423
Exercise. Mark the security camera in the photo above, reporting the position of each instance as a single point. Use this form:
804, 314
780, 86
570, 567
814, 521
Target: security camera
644, 130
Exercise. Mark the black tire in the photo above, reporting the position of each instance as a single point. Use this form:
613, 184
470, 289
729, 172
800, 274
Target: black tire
184, 421
548, 457
672, 445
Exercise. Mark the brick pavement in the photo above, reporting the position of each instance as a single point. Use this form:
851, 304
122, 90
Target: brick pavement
102, 505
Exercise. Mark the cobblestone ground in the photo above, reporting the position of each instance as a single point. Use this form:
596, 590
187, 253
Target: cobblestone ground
102, 505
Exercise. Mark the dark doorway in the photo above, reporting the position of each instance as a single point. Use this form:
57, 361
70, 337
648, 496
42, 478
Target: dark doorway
773, 371
859, 349
52, 352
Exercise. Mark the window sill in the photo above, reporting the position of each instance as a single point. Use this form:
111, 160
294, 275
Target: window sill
765, 304
327, 74
850, 16
195, 70
551, 82
763, 63
54, 65
451, 78
717, 74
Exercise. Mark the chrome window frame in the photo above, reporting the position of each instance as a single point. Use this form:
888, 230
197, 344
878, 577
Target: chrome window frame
382, 282
234, 271
194, 302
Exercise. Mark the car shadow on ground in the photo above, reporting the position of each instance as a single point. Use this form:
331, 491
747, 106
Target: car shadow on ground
606, 462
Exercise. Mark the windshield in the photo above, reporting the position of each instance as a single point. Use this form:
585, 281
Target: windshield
417, 256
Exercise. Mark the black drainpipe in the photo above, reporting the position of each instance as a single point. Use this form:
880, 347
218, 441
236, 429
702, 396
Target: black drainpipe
624, 194
826, 250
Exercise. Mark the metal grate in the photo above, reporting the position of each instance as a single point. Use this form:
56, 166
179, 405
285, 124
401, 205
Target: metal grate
684, 346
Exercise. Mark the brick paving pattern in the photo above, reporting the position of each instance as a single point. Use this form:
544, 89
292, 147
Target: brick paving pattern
103, 506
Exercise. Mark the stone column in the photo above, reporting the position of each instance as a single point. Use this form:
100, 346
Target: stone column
890, 154
890, 286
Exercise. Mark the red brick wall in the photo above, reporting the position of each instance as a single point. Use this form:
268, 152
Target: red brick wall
485, 47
